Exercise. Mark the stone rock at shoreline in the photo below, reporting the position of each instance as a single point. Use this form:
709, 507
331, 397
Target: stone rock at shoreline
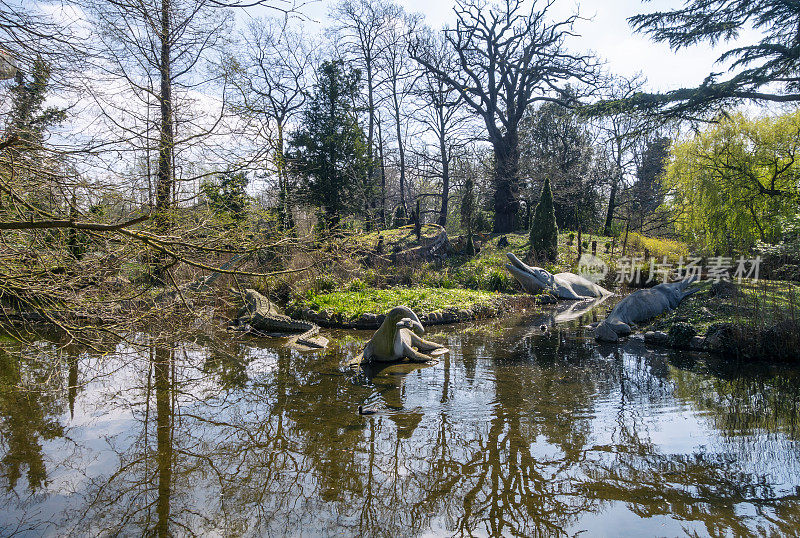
719, 337
774, 340
697, 343
369, 320
656, 338
681, 335
449, 317
545, 298
433, 317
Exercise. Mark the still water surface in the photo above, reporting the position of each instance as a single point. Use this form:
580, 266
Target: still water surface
514, 433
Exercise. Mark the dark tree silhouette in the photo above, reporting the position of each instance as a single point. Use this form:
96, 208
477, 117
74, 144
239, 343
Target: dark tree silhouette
331, 153
508, 59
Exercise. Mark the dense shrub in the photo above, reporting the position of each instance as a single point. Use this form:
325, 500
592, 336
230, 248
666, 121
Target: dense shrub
544, 231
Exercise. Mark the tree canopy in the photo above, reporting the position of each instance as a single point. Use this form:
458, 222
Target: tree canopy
730, 184
330, 150
765, 70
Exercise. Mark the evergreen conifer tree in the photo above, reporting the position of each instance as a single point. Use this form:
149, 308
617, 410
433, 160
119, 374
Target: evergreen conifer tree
330, 151
544, 231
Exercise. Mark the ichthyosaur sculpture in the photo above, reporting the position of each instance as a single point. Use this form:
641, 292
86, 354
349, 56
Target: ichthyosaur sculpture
399, 337
562, 285
642, 305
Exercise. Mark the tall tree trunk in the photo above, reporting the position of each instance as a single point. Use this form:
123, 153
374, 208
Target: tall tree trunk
401, 150
370, 139
164, 184
612, 205
383, 175
445, 171
285, 208
506, 182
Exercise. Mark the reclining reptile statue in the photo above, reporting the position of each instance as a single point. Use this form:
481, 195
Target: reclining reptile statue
398, 338
562, 285
642, 305
259, 315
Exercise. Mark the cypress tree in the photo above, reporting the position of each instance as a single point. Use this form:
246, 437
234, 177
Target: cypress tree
544, 231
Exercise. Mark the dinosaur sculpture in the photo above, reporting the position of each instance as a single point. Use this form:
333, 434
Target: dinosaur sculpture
260, 316
398, 338
642, 305
562, 285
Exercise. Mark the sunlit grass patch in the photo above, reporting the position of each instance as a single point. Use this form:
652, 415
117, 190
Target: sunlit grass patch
351, 304
657, 247
396, 239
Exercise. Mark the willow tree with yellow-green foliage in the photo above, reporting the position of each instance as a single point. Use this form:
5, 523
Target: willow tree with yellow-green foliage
731, 184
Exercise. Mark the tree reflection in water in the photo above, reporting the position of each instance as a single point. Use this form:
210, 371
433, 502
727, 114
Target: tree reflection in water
514, 433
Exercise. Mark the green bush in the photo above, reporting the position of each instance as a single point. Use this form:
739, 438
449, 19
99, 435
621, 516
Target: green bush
500, 281
356, 285
324, 284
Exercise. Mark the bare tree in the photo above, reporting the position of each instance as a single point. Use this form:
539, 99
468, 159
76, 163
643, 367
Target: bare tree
398, 72
271, 78
155, 47
57, 204
623, 133
508, 59
442, 113
361, 23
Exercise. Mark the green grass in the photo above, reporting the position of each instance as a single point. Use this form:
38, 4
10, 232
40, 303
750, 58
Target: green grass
351, 304
487, 269
483, 272
761, 304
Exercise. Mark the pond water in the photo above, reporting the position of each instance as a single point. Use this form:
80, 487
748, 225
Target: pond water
516, 432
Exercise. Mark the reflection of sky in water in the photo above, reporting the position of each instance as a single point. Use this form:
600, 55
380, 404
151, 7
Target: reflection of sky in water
514, 431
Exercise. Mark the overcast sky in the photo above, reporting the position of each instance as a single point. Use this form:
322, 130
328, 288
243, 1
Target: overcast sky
606, 31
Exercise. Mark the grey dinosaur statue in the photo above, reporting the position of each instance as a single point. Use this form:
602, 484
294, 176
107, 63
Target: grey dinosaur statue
562, 285
398, 337
640, 306
259, 315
